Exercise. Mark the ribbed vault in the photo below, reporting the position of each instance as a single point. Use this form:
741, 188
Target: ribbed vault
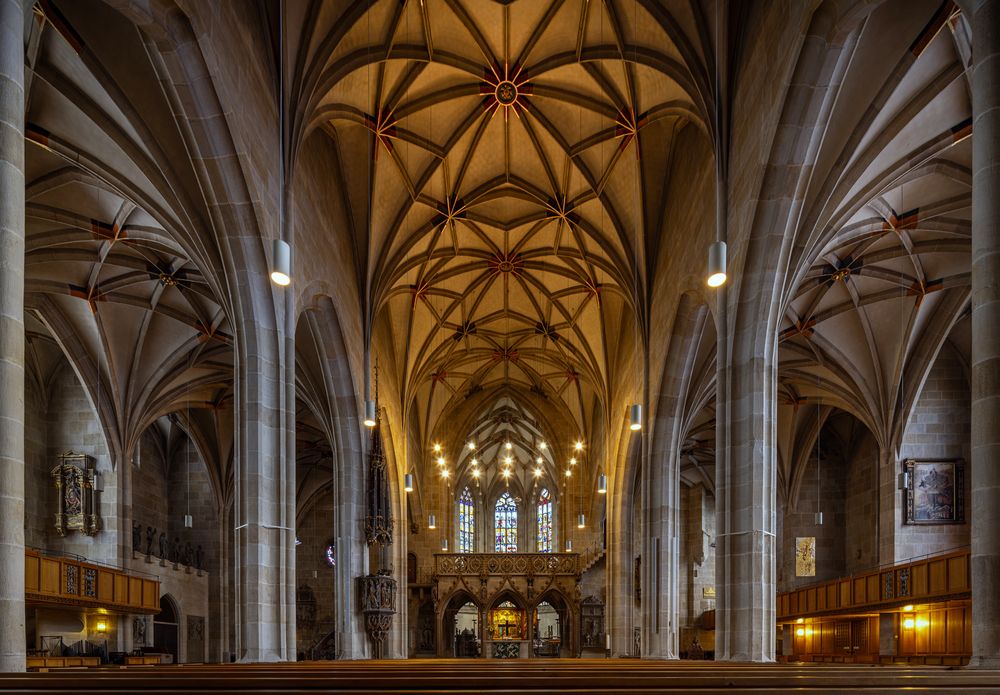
495, 188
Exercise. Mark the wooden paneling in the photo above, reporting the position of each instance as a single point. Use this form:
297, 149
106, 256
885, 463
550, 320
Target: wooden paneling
871, 588
920, 580
933, 578
150, 594
859, 597
135, 592
105, 586
32, 573
121, 588
47, 580
50, 576
938, 577
958, 573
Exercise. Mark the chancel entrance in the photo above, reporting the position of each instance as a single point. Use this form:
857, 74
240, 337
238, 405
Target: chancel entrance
507, 634
530, 604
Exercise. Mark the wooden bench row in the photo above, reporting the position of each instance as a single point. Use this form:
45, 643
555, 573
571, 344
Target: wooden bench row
453, 676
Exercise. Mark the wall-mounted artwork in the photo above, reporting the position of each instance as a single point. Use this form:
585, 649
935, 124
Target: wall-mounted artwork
935, 492
805, 556
76, 501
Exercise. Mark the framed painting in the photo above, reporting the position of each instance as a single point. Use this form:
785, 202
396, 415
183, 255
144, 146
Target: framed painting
805, 556
935, 492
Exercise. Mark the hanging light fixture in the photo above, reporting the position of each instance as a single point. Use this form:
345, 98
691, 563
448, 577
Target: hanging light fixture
281, 263
716, 264
635, 417
581, 521
444, 545
408, 482
569, 545
369, 413
431, 521
602, 483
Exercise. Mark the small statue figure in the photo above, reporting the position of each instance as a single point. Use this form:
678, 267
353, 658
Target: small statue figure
163, 546
136, 536
188, 557
150, 532
199, 559
175, 550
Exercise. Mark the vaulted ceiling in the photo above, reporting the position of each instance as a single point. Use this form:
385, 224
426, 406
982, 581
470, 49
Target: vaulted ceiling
491, 158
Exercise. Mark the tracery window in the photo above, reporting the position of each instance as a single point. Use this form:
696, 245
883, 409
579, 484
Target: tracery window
505, 523
544, 521
466, 522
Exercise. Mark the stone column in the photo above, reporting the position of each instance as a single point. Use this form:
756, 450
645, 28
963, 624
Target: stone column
264, 537
11, 336
985, 19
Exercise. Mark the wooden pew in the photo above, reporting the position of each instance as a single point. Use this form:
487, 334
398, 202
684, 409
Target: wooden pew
514, 676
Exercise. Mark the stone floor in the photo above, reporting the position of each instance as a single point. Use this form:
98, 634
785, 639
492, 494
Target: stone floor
514, 676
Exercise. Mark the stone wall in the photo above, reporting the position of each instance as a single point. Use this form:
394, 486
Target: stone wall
57, 422
189, 589
149, 489
861, 508
938, 428
823, 492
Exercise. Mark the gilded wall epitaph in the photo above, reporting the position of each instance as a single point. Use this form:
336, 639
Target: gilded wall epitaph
75, 480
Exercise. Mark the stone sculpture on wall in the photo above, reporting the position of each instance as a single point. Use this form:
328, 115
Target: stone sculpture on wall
138, 632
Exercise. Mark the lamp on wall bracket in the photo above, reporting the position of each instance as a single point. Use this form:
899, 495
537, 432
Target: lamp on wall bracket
716, 264
408, 482
281, 263
635, 417
602, 483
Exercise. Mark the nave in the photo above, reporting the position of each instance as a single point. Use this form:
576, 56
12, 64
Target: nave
527, 330
512, 677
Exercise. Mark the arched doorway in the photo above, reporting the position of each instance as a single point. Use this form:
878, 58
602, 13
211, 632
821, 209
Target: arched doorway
165, 627
461, 627
507, 630
552, 627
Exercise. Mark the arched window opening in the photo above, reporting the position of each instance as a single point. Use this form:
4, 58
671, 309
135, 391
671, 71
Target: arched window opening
505, 522
466, 522
544, 521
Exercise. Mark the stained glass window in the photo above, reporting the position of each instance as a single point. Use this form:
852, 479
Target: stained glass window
466, 522
544, 521
505, 522
330, 556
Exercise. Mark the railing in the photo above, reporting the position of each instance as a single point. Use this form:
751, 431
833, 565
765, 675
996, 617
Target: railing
446, 564
71, 580
929, 578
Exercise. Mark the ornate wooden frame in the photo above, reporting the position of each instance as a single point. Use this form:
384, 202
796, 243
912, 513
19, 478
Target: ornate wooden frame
74, 478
